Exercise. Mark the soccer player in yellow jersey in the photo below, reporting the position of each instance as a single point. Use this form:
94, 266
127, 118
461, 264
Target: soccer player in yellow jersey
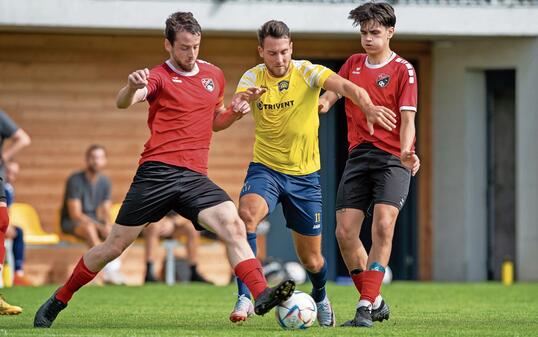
283, 94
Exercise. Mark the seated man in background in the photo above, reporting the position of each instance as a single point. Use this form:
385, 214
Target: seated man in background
14, 232
86, 207
172, 225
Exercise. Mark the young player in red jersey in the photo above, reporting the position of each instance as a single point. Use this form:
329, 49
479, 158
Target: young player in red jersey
380, 163
185, 97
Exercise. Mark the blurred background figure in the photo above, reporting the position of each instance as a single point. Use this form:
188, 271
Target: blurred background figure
86, 207
172, 225
19, 139
14, 232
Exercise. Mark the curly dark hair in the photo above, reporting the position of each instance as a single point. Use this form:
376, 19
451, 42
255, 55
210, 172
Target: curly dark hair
179, 22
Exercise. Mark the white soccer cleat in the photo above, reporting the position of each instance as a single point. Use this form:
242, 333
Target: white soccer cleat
326, 316
243, 310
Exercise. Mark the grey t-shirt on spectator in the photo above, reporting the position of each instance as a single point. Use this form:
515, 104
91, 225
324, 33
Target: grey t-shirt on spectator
91, 196
7, 129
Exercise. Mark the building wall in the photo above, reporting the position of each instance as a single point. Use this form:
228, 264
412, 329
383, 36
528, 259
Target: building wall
459, 115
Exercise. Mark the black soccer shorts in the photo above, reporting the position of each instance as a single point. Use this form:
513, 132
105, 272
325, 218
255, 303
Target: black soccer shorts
158, 188
372, 176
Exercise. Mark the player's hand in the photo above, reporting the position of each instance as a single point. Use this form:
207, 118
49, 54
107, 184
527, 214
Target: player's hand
253, 94
381, 116
240, 106
411, 161
323, 106
138, 79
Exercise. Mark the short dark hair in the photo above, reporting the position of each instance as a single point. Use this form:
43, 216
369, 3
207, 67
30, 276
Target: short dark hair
179, 22
273, 28
382, 13
94, 147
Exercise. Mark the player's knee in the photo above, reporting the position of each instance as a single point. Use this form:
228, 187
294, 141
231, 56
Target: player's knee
248, 218
341, 233
231, 230
313, 263
383, 230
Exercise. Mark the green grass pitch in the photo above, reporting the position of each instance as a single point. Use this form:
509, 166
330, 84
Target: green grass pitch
418, 309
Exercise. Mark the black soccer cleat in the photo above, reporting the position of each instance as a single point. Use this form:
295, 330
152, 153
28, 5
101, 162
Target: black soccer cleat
48, 311
363, 318
271, 297
381, 313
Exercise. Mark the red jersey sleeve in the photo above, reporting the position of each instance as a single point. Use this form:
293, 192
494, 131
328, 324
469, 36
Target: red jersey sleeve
408, 89
344, 69
154, 85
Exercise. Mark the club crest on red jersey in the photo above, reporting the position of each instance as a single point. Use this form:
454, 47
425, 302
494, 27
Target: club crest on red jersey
208, 84
382, 80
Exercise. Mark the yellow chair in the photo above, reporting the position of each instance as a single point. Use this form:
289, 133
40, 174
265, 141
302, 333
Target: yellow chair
25, 216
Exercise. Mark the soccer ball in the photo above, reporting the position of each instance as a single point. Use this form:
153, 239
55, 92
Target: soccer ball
298, 312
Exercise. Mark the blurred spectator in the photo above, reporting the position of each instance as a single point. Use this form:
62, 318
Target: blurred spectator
19, 139
172, 225
14, 232
86, 207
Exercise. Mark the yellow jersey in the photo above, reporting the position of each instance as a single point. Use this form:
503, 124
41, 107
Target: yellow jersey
286, 116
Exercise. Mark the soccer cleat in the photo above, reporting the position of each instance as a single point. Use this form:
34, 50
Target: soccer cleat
48, 311
363, 318
326, 316
8, 309
381, 313
243, 309
271, 297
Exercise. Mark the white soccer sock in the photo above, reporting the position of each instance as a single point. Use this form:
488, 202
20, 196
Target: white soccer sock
365, 303
377, 302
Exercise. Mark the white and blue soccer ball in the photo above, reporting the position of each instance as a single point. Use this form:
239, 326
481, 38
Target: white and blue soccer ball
298, 312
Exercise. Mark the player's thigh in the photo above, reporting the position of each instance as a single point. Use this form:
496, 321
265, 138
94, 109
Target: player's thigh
391, 182
301, 204
355, 188
260, 193
150, 196
222, 219
120, 237
349, 223
200, 199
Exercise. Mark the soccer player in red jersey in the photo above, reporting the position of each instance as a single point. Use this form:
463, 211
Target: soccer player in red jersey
380, 164
185, 97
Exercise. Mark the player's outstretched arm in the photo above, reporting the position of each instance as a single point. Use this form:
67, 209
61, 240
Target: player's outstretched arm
134, 91
379, 115
224, 117
407, 136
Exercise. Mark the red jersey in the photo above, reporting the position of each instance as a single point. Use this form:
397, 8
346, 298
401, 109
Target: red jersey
392, 84
181, 110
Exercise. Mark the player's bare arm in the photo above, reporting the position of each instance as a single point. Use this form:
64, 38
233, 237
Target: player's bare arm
74, 210
20, 139
379, 115
134, 91
224, 117
407, 135
251, 94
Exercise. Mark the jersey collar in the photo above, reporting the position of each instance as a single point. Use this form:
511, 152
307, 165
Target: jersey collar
195, 70
381, 65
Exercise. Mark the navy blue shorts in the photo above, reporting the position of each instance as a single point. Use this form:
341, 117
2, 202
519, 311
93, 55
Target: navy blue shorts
300, 196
